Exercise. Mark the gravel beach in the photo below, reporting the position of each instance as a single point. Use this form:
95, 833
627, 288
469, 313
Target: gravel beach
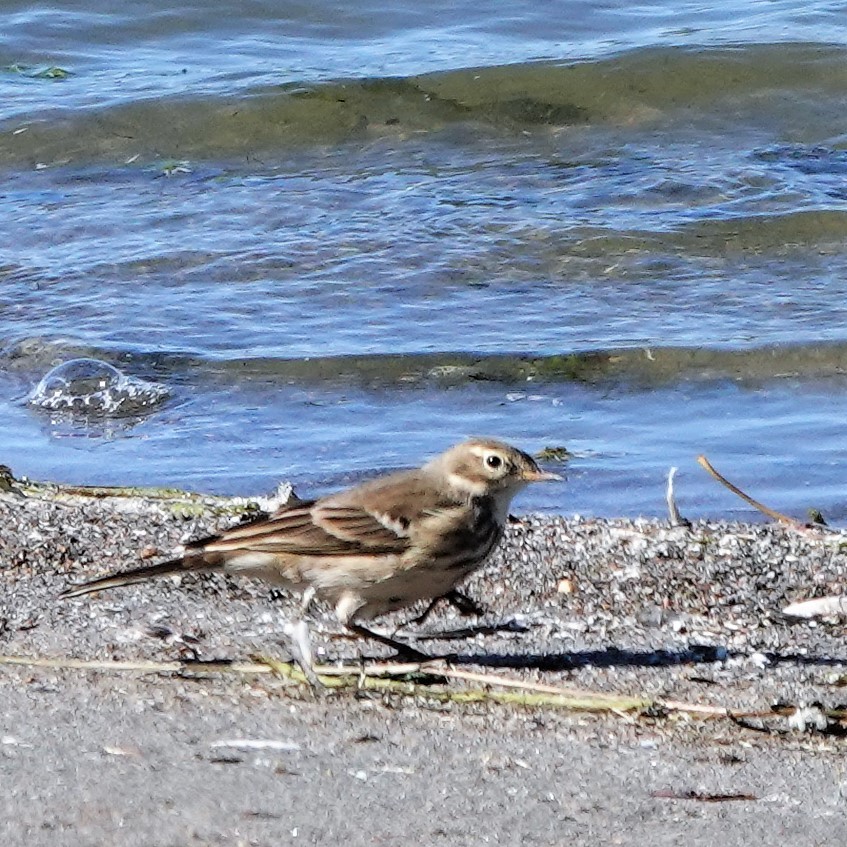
687, 618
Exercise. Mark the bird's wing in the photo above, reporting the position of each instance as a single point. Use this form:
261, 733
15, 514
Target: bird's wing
317, 528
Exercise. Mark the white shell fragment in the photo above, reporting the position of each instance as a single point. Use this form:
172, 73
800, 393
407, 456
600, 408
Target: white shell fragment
818, 607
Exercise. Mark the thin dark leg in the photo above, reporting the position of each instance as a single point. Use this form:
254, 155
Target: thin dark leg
466, 606
402, 649
419, 619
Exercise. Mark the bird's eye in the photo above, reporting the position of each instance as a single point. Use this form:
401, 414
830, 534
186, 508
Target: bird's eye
493, 461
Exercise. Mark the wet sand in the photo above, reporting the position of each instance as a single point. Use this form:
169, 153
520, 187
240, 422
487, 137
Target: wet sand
213, 756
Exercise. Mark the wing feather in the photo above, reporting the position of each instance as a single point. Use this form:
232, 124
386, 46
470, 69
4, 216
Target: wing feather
315, 529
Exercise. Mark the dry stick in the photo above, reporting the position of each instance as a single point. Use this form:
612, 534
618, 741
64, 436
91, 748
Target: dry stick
673, 511
670, 705
379, 677
771, 513
374, 677
143, 667
264, 666
524, 685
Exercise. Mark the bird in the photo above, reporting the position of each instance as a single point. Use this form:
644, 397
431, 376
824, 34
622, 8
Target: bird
374, 548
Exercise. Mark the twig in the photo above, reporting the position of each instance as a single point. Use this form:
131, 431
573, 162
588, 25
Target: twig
706, 711
261, 666
595, 700
771, 513
84, 664
406, 679
702, 796
673, 511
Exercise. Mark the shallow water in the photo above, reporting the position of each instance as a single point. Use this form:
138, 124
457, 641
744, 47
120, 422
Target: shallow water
342, 240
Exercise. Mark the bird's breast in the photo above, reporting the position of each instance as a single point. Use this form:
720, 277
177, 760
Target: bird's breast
447, 546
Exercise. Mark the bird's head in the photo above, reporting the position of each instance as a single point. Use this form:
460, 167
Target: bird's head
485, 467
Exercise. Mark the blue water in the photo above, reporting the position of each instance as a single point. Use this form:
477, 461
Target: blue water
258, 208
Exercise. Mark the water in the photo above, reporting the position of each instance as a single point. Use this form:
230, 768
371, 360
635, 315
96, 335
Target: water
342, 237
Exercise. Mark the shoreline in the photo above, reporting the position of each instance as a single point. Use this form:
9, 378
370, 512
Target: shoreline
630, 608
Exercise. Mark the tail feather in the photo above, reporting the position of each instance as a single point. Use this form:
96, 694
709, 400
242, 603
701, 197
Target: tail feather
142, 574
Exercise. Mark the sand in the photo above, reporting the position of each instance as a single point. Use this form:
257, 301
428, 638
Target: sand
191, 754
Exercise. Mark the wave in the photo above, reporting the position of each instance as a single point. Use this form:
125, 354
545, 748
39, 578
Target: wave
639, 368
631, 89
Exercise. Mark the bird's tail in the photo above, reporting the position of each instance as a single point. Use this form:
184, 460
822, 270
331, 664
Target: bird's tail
190, 562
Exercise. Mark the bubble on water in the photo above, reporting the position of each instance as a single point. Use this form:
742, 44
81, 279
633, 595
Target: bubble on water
91, 388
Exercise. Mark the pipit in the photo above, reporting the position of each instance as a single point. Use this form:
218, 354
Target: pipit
373, 548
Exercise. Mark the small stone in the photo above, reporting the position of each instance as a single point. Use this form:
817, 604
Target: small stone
565, 586
759, 660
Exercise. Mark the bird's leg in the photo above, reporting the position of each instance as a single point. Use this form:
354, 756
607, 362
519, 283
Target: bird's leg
301, 645
403, 650
466, 606
306, 600
346, 609
419, 619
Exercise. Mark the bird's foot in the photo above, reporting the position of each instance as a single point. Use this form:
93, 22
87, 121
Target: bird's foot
466, 605
403, 650
301, 646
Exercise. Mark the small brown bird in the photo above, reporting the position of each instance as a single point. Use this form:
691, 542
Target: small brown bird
374, 548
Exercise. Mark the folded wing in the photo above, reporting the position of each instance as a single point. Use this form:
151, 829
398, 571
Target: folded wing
315, 528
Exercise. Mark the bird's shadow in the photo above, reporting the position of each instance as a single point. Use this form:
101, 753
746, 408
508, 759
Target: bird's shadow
609, 657
621, 657
612, 657
615, 657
